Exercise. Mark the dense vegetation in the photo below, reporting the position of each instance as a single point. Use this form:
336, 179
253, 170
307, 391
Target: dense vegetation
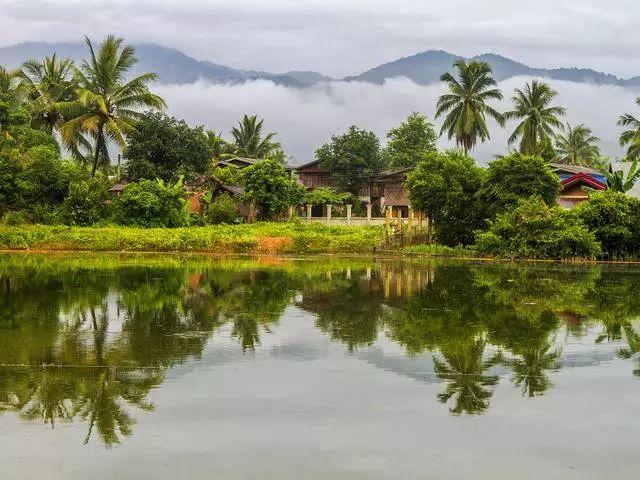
176, 175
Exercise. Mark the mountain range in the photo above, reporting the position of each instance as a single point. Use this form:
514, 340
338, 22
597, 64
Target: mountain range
425, 68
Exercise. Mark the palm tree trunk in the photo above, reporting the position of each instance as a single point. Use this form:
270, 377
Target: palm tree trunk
99, 146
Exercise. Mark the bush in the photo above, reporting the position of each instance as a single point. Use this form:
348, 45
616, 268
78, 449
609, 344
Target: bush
85, 202
14, 218
327, 196
516, 177
222, 209
268, 186
151, 203
614, 219
444, 186
535, 230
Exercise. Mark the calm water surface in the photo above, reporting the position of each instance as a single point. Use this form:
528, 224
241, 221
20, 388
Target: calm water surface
182, 367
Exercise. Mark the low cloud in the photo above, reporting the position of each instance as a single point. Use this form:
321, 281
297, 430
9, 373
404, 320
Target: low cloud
306, 118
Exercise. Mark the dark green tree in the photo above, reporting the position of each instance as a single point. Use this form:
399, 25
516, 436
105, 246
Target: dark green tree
409, 141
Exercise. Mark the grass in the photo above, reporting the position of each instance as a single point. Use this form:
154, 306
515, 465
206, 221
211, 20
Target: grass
267, 238
438, 251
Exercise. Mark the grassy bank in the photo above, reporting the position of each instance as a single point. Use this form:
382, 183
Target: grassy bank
269, 238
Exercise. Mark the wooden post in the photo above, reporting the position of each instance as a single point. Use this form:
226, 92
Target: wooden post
329, 214
420, 217
290, 213
410, 223
399, 216
369, 213
309, 212
348, 214
387, 221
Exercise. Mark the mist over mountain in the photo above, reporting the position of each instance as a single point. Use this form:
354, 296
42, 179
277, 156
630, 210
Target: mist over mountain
425, 68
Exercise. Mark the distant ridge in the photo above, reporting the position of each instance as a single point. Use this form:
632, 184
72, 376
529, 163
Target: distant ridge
424, 68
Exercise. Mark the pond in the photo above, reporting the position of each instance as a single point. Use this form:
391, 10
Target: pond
169, 366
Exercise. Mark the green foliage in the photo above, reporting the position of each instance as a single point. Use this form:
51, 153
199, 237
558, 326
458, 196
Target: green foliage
515, 177
152, 203
618, 181
327, 196
267, 186
352, 158
223, 209
14, 218
85, 202
465, 106
444, 186
538, 119
578, 146
166, 148
249, 140
631, 136
535, 230
409, 141
614, 219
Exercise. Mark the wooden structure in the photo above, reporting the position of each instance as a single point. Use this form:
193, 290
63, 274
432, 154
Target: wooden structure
576, 182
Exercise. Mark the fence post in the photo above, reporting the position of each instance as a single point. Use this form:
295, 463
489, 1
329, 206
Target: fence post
369, 213
410, 222
348, 214
329, 214
309, 212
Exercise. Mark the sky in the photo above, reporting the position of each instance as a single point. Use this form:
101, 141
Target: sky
341, 37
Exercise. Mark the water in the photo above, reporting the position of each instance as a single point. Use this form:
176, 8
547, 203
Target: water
165, 367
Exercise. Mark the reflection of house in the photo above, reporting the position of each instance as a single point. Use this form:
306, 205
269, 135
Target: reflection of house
384, 190
576, 182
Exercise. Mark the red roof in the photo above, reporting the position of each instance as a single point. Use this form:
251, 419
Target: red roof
585, 179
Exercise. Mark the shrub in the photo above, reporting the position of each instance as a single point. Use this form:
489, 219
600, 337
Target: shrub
85, 202
327, 196
614, 219
444, 185
14, 218
222, 209
268, 186
535, 230
516, 177
151, 203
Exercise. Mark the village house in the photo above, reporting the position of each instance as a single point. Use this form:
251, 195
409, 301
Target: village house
576, 181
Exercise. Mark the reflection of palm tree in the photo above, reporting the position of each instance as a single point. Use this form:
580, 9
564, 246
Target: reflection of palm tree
463, 370
529, 370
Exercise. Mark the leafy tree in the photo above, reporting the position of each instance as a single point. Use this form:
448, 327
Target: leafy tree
444, 186
466, 105
85, 204
514, 177
249, 139
48, 82
222, 209
631, 136
269, 189
152, 203
409, 141
614, 219
618, 181
220, 148
166, 148
107, 104
538, 118
578, 146
534, 230
353, 158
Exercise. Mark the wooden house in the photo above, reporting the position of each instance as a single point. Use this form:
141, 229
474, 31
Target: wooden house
576, 181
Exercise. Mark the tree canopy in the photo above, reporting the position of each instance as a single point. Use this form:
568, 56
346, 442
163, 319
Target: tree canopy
353, 158
409, 141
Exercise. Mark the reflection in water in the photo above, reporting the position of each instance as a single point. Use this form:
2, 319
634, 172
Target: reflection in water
88, 339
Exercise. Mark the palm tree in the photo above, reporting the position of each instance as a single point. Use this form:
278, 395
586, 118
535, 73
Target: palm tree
465, 105
578, 147
538, 117
631, 136
48, 82
107, 104
249, 141
12, 90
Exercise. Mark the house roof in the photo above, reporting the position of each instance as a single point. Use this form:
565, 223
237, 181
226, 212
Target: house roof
232, 189
585, 179
392, 173
118, 187
561, 167
306, 165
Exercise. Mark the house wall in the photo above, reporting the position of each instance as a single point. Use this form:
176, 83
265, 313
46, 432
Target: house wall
571, 196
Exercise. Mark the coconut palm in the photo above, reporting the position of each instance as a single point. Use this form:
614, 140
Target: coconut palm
249, 141
466, 106
48, 82
12, 90
631, 136
578, 146
538, 118
107, 104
